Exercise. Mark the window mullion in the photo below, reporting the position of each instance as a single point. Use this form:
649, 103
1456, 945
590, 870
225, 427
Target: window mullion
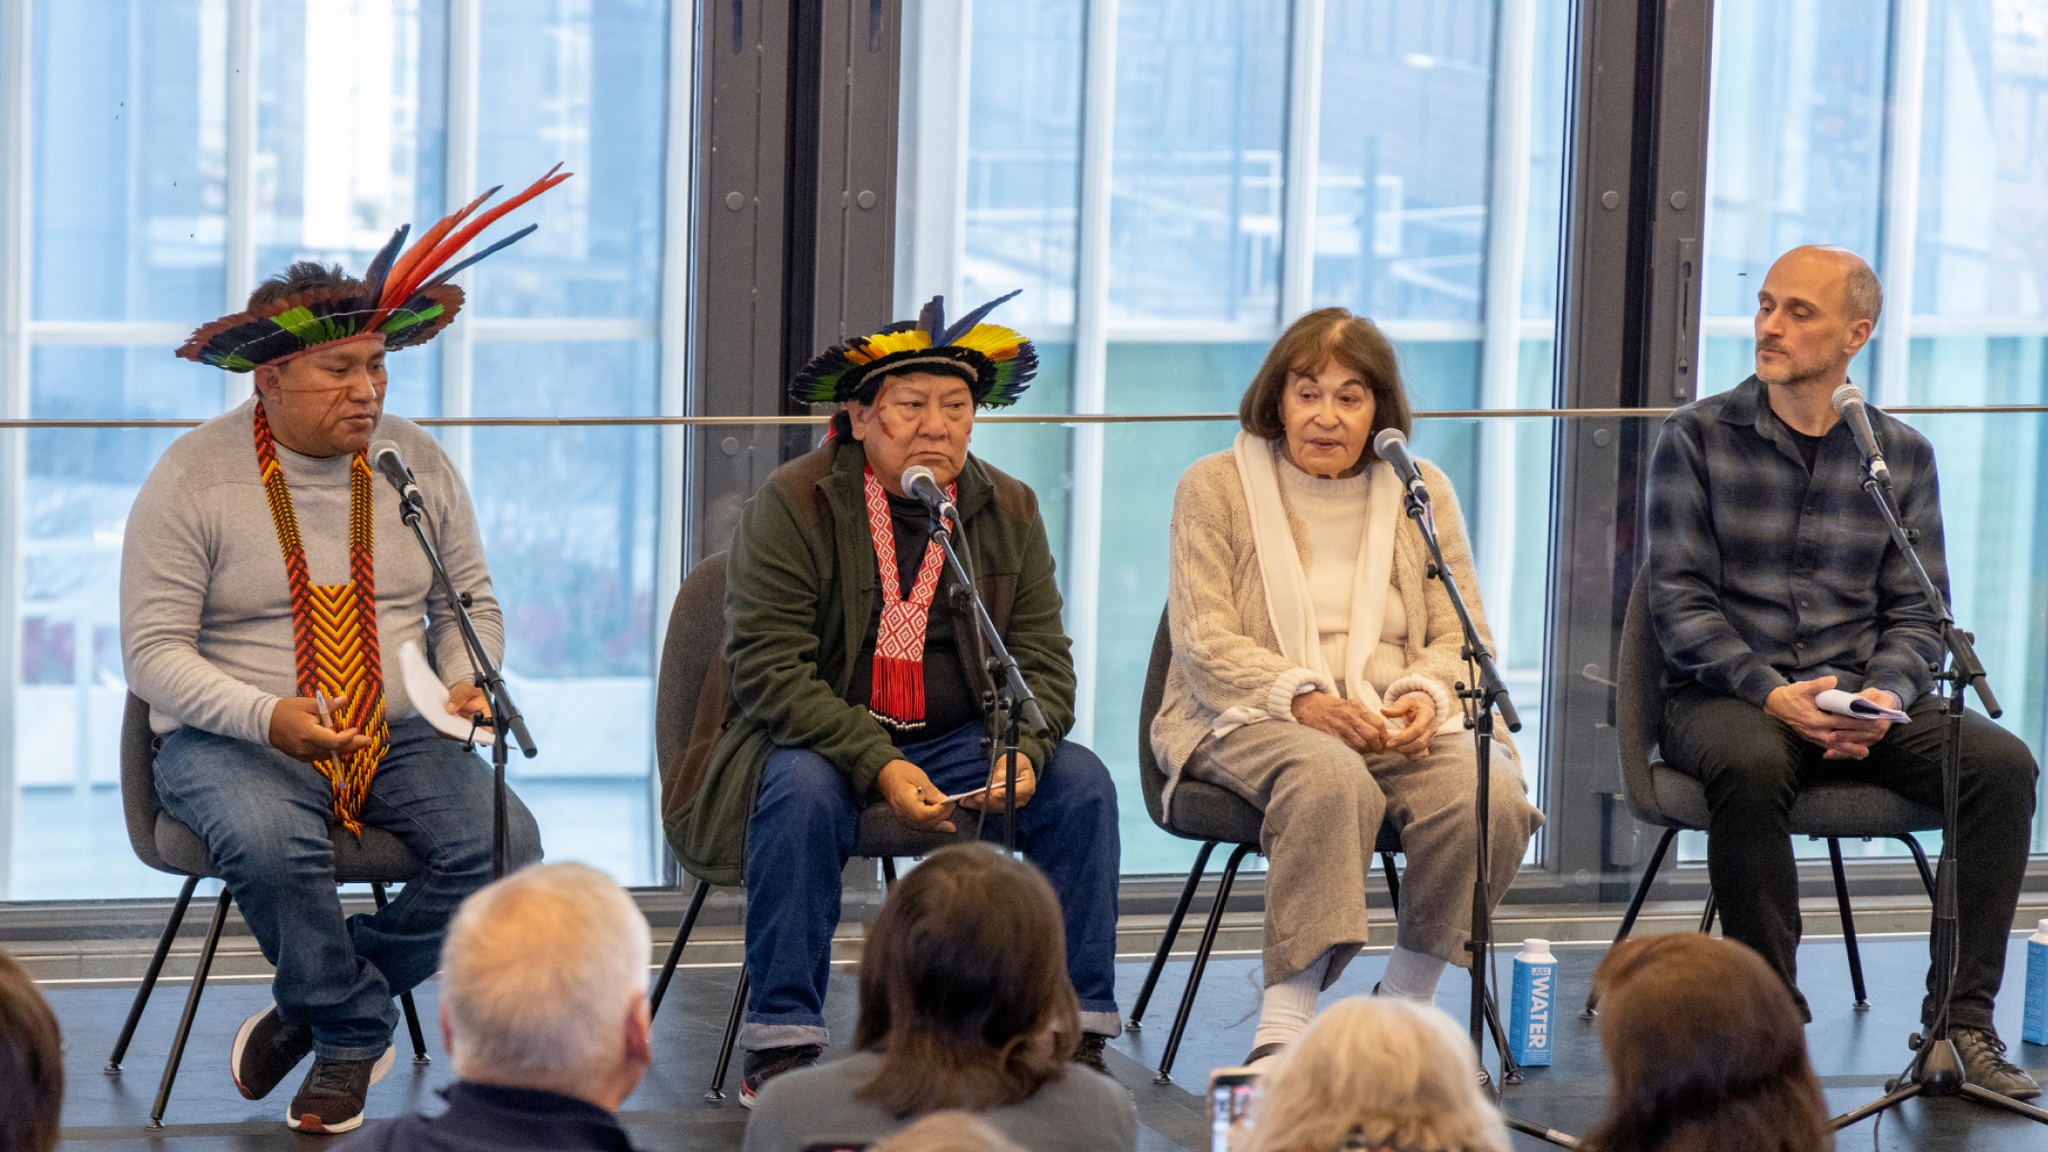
457, 344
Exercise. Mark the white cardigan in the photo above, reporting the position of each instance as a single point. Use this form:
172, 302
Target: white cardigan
1225, 653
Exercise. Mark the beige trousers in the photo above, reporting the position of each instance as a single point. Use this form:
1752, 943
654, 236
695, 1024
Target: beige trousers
1324, 803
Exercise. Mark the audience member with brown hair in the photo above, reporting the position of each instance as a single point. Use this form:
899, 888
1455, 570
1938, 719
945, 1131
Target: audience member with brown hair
1705, 1052
964, 1004
31, 1064
1379, 1073
948, 1132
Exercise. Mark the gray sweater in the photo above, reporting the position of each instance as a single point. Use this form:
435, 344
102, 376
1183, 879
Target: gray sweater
206, 615
1082, 1111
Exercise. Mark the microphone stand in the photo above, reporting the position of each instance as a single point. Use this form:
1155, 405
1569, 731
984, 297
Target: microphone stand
1016, 707
504, 718
1936, 1069
1481, 700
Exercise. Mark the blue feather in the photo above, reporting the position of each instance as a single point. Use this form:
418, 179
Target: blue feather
966, 323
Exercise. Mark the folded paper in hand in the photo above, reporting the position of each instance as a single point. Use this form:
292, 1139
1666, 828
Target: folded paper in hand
1844, 704
430, 696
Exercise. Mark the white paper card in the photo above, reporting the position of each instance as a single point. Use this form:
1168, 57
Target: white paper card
1843, 704
430, 696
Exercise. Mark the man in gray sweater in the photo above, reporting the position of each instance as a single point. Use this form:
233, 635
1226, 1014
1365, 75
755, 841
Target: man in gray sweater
267, 586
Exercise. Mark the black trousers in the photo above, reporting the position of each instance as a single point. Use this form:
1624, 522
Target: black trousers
1753, 766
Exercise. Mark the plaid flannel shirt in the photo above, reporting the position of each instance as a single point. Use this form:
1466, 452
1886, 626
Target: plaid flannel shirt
1761, 574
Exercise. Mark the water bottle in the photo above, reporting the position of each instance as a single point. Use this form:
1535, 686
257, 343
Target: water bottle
1534, 1000
2035, 1028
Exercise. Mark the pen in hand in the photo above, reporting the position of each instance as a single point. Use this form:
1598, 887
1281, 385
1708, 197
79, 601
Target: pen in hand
327, 721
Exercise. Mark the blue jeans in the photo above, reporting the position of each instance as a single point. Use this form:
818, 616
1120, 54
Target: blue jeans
802, 833
266, 819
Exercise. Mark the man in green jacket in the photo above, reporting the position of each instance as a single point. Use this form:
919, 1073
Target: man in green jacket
859, 676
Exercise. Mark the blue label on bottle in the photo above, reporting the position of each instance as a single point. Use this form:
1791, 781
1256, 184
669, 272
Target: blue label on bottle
1533, 998
2034, 1029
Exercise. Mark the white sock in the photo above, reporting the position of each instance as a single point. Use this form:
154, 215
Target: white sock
1412, 975
1285, 1012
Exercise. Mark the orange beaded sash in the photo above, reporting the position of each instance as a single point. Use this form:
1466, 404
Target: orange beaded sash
334, 626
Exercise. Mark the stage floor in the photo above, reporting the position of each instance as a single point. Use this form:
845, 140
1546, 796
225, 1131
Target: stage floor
1854, 1053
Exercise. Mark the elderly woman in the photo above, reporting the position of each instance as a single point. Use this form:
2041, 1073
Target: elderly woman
1314, 667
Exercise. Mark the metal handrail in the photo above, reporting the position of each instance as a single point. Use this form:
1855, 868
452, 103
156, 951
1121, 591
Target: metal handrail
1001, 418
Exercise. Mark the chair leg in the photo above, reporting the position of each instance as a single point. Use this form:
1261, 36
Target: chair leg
1393, 880
1187, 997
1166, 939
412, 1013
206, 953
675, 951
1635, 908
888, 873
156, 967
1912, 843
1848, 923
1708, 913
732, 1034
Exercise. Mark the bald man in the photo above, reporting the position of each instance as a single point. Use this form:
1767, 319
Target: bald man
1772, 579
544, 1009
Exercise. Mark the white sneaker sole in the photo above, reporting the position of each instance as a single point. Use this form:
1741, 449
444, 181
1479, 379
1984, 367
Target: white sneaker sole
377, 1072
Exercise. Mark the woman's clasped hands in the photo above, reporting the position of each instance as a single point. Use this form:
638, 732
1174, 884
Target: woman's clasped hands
1403, 727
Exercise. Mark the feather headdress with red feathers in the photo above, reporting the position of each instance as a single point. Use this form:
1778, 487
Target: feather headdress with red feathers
406, 298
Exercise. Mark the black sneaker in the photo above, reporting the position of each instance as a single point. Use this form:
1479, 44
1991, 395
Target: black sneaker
1985, 1065
331, 1099
265, 1052
760, 1067
1089, 1054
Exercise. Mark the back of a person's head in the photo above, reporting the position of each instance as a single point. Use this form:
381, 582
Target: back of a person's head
31, 1064
963, 985
948, 1132
1705, 1052
1381, 1072
539, 975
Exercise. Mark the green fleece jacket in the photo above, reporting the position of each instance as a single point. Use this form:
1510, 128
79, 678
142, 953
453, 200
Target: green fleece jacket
801, 583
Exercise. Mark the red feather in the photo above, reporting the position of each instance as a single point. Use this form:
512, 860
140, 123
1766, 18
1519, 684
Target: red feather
397, 290
419, 250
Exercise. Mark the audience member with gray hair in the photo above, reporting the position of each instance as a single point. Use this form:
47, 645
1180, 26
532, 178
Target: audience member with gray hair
544, 1010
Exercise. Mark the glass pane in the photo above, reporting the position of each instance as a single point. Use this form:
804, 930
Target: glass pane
585, 84
1795, 155
1402, 163
1197, 184
70, 841
1023, 183
568, 518
129, 164
350, 127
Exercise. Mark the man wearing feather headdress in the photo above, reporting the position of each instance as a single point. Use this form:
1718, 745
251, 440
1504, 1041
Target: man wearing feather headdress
266, 590
858, 677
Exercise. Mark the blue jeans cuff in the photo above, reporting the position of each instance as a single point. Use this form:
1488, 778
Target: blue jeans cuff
1100, 1017
348, 1052
758, 1035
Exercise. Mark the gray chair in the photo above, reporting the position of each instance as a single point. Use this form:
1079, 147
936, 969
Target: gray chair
167, 845
1215, 815
1662, 796
696, 637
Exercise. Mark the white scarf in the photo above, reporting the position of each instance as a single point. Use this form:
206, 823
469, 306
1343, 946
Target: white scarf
1289, 604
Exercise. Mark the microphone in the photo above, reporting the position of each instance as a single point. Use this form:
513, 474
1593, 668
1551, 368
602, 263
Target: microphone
1849, 404
1392, 447
385, 458
918, 481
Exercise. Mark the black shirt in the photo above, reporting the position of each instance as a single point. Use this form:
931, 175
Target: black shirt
948, 700
491, 1118
1809, 446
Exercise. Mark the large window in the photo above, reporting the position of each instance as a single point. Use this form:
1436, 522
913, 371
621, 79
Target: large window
1171, 188
183, 149
1921, 142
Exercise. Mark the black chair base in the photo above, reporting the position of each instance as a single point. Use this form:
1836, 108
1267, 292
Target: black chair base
1707, 915
1209, 929
207, 952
